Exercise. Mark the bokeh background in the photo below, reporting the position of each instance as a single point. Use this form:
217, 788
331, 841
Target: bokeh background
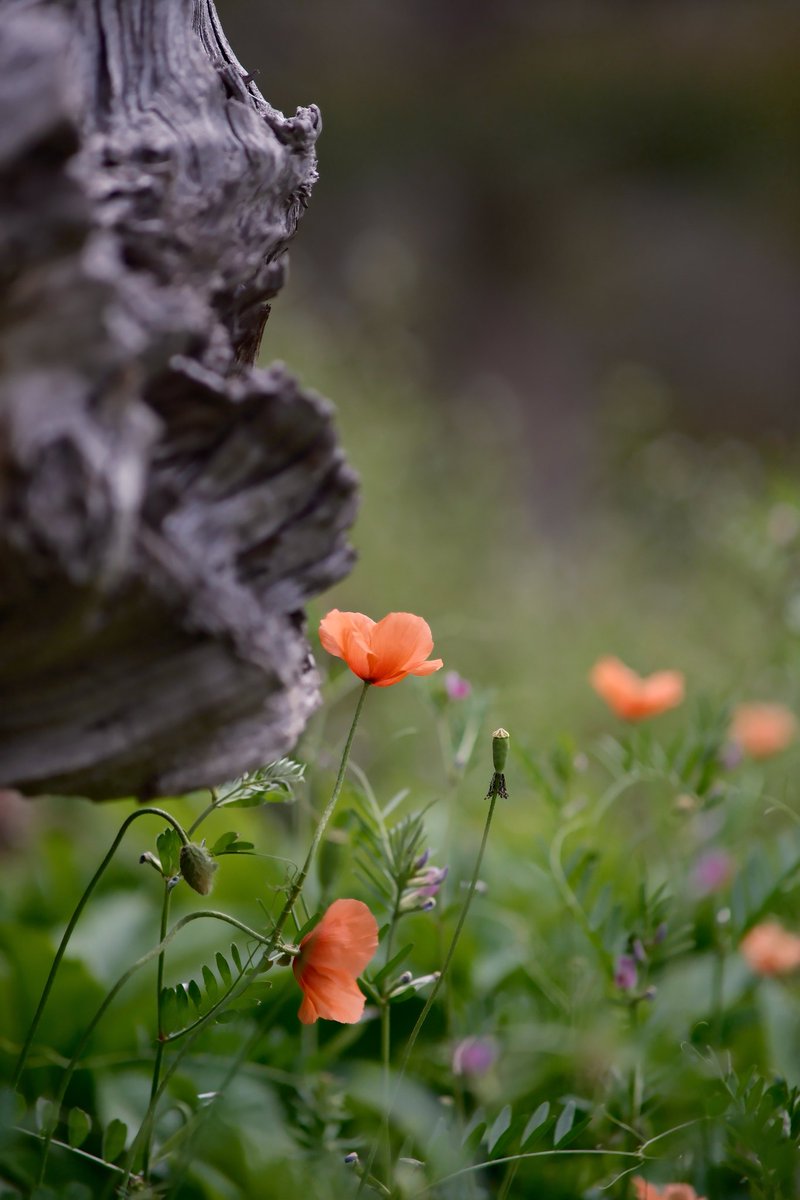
550, 277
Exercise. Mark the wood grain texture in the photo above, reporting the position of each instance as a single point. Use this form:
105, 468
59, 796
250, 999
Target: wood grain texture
166, 508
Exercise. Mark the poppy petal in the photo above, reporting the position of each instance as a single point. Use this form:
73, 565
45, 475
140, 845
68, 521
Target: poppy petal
400, 642
330, 994
345, 939
347, 635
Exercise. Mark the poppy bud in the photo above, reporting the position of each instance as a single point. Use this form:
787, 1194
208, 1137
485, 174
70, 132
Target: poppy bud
500, 749
197, 867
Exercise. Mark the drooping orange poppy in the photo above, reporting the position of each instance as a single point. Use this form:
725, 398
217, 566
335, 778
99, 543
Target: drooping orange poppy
762, 730
380, 652
671, 1191
635, 697
769, 949
331, 958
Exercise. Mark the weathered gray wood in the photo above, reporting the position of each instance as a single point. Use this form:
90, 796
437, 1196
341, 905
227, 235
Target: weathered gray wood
166, 508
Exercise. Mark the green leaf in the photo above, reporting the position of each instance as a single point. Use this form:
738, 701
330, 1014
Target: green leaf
223, 968
169, 1010
78, 1127
210, 981
537, 1119
228, 1015
183, 1002
564, 1122
237, 959
222, 843
114, 1139
474, 1128
499, 1127
274, 783
169, 852
195, 995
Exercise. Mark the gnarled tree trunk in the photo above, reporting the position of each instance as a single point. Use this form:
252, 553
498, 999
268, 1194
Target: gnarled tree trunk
166, 508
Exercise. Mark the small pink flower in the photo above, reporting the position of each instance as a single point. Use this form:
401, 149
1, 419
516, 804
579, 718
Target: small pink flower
474, 1056
712, 872
625, 973
456, 686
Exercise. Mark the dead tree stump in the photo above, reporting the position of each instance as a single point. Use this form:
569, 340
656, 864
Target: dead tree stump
166, 508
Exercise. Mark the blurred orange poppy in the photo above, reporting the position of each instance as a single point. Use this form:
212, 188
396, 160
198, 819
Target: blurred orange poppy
671, 1191
331, 958
381, 652
762, 730
769, 949
635, 697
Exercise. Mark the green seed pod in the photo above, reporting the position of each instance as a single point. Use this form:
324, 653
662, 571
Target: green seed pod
197, 868
499, 749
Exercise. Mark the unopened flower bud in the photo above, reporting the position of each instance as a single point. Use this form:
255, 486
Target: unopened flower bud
351, 1158
197, 867
500, 749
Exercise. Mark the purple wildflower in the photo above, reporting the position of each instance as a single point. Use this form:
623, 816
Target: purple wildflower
474, 1056
625, 973
712, 871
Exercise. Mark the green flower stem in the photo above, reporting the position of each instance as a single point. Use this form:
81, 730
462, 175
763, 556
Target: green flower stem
271, 941
159, 1023
198, 821
494, 792
73, 921
111, 995
300, 879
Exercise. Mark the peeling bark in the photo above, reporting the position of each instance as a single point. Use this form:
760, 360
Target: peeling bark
166, 508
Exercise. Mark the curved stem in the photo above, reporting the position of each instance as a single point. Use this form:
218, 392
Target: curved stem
111, 995
73, 921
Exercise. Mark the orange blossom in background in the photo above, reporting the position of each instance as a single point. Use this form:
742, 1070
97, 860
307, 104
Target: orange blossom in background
331, 958
634, 697
671, 1191
762, 730
381, 652
769, 949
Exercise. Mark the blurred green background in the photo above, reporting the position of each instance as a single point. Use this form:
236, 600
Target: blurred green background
550, 276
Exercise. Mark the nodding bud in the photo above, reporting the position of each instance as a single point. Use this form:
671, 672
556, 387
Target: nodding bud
351, 1158
500, 749
197, 867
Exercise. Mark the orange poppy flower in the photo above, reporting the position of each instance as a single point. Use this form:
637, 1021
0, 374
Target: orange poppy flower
331, 958
762, 730
634, 697
381, 652
769, 949
672, 1191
